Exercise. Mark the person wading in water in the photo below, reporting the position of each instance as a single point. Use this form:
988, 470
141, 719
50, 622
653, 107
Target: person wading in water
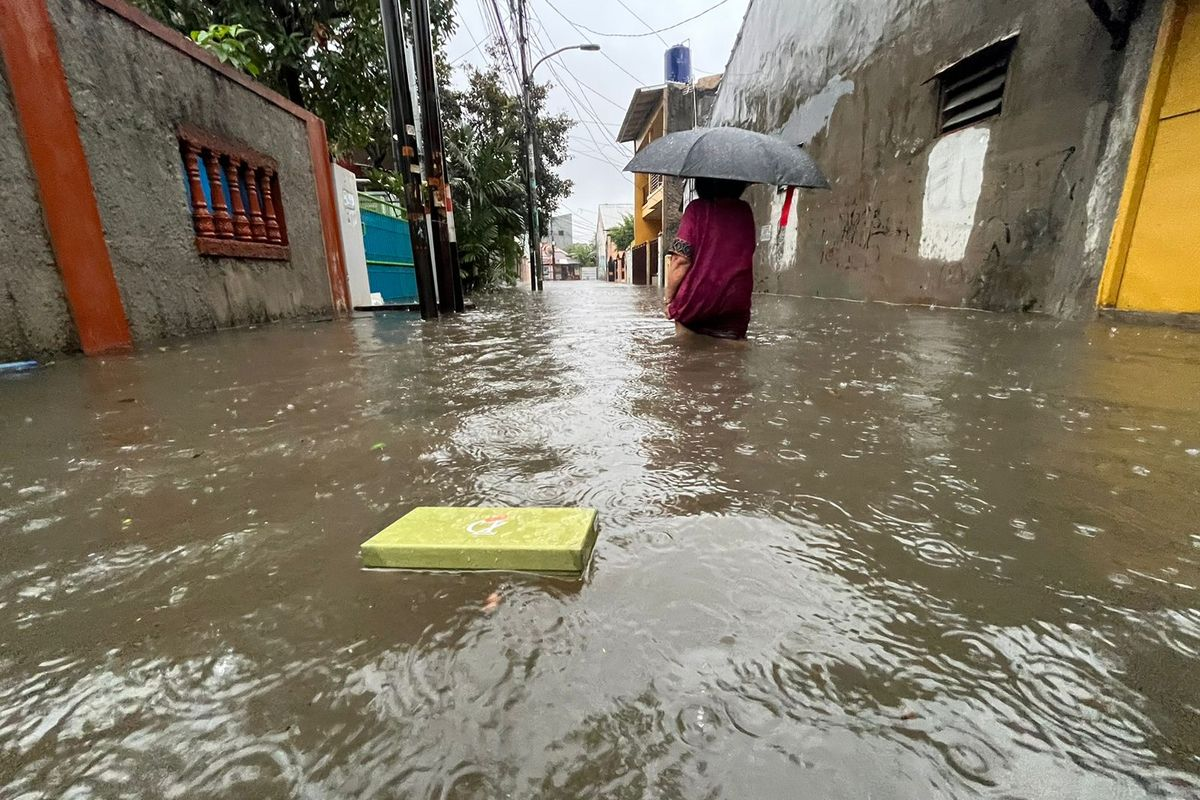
710, 276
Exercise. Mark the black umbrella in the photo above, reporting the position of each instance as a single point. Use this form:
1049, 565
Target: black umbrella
732, 154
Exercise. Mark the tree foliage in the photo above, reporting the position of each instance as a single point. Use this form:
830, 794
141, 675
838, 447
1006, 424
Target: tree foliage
494, 112
622, 235
583, 252
489, 206
229, 44
325, 55
484, 136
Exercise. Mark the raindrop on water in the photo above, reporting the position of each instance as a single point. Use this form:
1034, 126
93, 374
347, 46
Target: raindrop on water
698, 725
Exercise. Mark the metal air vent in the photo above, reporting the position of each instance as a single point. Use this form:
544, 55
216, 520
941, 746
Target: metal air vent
973, 88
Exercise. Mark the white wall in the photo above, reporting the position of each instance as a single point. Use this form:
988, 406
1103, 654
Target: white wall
952, 188
352, 236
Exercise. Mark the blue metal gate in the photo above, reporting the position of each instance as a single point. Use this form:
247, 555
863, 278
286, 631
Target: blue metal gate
389, 250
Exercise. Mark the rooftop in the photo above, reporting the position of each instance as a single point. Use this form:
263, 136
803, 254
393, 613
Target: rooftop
646, 101
613, 214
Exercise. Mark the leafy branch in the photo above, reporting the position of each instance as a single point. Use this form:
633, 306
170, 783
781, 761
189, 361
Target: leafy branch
230, 44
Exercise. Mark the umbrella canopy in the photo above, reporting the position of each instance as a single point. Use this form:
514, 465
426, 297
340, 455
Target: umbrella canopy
733, 154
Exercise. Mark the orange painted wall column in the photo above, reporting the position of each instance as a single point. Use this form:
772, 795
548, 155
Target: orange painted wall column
47, 119
327, 205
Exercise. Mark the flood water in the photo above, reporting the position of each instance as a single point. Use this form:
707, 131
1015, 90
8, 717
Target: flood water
879, 553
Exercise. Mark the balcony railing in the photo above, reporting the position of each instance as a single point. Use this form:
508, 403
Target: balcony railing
234, 197
656, 182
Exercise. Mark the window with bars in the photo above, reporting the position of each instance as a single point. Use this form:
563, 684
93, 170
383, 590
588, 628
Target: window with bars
233, 194
973, 88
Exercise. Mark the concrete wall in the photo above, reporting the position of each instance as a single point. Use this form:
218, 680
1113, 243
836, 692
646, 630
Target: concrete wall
679, 118
130, 91
685, 109
1013, 213
34, 320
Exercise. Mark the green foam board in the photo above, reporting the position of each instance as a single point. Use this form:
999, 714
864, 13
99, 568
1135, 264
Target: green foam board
514, 539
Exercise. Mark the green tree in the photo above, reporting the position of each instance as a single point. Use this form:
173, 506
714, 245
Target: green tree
489, 204
489, 109
484, 142
325, 55
583, 252
229, 44
622, 235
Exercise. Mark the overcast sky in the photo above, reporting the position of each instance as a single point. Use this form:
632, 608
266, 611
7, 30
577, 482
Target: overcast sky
595, 88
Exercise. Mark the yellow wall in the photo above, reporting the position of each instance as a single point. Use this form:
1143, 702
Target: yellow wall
1154, 260
645, 230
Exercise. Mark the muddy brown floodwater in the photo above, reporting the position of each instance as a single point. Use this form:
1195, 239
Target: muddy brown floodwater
880, 553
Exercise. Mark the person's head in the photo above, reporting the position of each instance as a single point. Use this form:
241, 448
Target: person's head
718, 189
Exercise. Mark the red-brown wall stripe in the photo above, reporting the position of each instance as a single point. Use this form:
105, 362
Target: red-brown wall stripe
331, 230
43, 107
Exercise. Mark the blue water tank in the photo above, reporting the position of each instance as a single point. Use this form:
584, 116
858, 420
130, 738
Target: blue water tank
679, 64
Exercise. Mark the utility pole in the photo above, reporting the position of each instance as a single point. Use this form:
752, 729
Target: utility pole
535, 249
449, 279
404, 152
459, 300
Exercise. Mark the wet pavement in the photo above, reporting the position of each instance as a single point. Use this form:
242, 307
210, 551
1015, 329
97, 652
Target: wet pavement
881, 552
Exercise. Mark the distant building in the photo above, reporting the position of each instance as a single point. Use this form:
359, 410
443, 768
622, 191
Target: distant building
658, 202
610, 265
1027, 155
561, 232
558, 264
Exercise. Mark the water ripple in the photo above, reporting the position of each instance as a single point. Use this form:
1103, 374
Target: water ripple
880, 552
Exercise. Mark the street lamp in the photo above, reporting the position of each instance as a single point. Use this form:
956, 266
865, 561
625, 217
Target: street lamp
535, 232
587, 47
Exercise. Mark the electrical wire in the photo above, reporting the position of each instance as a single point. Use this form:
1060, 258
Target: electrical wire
711, 8
610, 147
581, 103
584, 143
495, 34
586, 108
599, 94
494, 21
605, 125
621, 157
504, 41
579, 108
583, 88
639, 19
580, 30
601, 159
478, 44
598, 149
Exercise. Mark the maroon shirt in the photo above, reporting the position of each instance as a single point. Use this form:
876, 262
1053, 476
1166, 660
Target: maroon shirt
714, 298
